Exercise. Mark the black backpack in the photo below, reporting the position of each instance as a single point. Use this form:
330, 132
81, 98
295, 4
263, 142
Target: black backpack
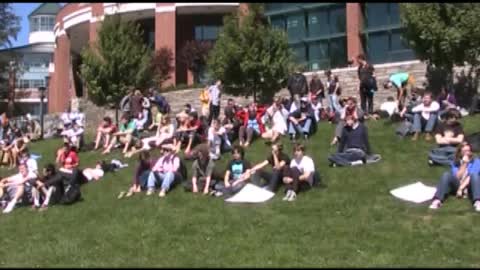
297, 84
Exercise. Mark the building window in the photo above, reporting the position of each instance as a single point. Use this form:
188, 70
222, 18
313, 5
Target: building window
206, 32
383, 41
42, 23
24, 84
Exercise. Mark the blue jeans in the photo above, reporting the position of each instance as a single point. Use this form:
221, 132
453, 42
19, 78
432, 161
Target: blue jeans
449, 183
165, 178
419, 122
442, 155
305, 128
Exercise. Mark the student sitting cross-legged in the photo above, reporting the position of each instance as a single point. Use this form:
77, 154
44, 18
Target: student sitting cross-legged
127, 131
466, 167
279, 162
354, 145
447, 135
301, 174
425, 117
236, 175
301, 121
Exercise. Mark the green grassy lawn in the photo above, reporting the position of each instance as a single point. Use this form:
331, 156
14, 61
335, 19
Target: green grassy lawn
354, 222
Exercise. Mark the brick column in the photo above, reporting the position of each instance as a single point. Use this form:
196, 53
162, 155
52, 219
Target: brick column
354, 28
59, 94
95, 22
165, 33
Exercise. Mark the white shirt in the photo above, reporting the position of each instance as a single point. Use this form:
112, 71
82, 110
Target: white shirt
214, 94
18, 178
434, 107
390, 107
32, 165
279, 120
304, 165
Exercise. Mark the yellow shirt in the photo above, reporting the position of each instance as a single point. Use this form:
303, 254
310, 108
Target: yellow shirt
204, 98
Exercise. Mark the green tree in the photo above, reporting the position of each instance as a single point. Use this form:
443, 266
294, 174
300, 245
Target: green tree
443, 34
194, 55
9, 28
250, 57
116, 62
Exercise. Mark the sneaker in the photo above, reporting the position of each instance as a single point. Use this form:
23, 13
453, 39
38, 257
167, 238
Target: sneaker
415, 136
162, 193
476, 206
218, 193
287, 195
150, 191
293, 197
9, 207
305, 136
436, 204
428, 137
121, 195
430, 162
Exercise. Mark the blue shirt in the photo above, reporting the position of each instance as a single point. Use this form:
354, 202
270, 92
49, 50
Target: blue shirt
399, 78
473, 167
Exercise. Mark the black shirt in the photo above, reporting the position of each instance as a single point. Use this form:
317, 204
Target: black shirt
354, 138
281, 157
237, 168
365, 72
455, 128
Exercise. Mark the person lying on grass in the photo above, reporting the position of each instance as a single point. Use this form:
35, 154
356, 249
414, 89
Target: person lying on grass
140, 178
15, 186
300, 175
127, 130
236, 175
279, 162
465, 166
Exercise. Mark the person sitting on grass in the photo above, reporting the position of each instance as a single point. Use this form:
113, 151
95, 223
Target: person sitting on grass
140, 121
448, 135
354, 145
127, 131
203, 176
425, 116
350, 108
278, 117
74, 134
388, 109
67, 151
447, 101
164, 135
301, 121
156, 118
252, 124
140, 178
217, 140
190, 132
45, 191
279, 162
15, 186
105, 131
236, 175
164, 172
230, 122
14, 148
300, 175
465, 166
34, 130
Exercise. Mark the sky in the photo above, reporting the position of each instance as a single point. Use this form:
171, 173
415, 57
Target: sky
22, 10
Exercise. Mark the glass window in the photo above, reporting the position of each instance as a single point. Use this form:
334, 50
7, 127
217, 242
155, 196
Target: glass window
198, 33
210, 32
337, 20
296, 26
35, 24
394, 13
397, 42
37, 83
378, 47
318, 50
317, 23
278, 22
377, 14
338, 52
300, 53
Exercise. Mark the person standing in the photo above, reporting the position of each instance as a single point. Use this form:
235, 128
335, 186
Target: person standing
367, 84
297, 84
214, 95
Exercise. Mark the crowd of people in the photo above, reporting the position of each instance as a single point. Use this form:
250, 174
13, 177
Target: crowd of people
203, 136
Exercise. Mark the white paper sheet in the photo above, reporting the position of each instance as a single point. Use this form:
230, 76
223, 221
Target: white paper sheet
251, 194
417, 193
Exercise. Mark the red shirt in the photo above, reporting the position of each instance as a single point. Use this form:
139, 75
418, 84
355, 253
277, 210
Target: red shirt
72, 155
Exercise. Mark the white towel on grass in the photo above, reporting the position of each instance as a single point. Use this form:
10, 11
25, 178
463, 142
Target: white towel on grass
251, 194
417, 192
